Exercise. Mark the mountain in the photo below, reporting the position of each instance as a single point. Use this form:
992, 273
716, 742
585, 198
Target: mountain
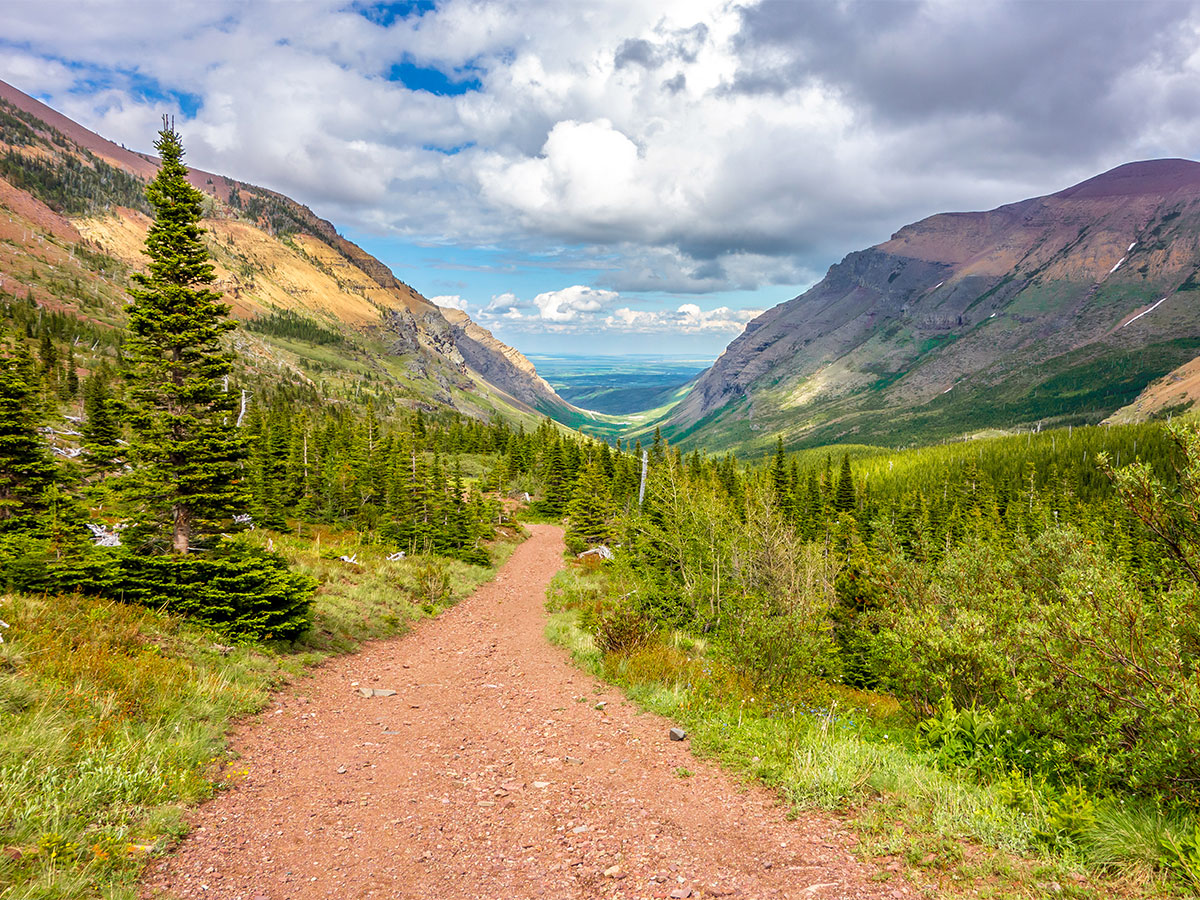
73, 203
1054, 310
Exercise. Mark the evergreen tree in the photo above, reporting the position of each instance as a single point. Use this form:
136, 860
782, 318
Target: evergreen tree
101, 425
843, 500
591, 507
26, 470
70, 385
187, 449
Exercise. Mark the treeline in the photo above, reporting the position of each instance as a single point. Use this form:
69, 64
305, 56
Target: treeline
291, 325
1028, 590
68, 178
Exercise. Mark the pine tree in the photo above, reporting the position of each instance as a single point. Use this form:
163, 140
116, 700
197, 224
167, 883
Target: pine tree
26, 470
591, 507
70, 385
101, 425
843, 500
187, 449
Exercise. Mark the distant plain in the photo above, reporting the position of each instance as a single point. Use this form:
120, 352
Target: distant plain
618, 385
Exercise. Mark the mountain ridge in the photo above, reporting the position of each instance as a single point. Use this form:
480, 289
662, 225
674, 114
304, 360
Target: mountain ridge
272, 252
1000, 306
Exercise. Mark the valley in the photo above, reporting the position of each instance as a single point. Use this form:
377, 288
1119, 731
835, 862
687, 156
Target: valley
619, 385
917, 555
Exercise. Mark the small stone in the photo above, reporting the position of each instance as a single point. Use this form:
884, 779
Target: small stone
677, 734
541, 784
573, 761
341, 770
383, 692
579, 829
600, 705
365, 692
681, 893
612, 872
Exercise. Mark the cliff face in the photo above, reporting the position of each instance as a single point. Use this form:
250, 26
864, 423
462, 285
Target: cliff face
505, 367
1042, 310
271, 253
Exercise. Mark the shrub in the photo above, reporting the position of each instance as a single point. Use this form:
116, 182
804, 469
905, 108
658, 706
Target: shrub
1094, 679
622, 629
243, 592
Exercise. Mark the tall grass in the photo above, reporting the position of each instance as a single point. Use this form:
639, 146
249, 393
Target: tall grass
113, 717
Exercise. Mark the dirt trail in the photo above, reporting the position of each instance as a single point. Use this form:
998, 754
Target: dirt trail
490, 773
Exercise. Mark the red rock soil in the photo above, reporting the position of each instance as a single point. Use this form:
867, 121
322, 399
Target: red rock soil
490, 773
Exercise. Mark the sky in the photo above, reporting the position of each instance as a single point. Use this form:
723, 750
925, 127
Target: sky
625, 176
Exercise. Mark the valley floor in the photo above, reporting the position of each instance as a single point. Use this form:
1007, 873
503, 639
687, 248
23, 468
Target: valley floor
496, 769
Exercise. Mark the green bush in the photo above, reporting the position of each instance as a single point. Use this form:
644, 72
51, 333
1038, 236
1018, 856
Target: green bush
1086, 678
244, 592
622, 629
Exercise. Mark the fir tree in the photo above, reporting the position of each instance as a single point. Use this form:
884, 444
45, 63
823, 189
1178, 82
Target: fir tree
591, 508
101, 425
26, 470
843, 500
71, 383
187, 449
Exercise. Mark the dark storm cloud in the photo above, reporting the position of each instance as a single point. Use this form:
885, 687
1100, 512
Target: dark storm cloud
636, 51
1049, 78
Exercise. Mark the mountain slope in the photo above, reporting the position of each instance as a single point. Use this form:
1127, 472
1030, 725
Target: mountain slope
273, 256
1047, 310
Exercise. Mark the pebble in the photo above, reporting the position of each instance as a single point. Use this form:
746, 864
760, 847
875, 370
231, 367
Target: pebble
677, 734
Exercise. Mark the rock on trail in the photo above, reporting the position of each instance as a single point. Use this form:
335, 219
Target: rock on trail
495, 770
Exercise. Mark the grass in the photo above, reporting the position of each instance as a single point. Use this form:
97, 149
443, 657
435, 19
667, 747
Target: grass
854, 754
113, 717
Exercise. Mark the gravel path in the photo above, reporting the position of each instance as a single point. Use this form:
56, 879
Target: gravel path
489, 773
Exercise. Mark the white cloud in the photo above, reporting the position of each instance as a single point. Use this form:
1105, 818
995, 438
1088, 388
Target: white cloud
687, 319
687, 146
572, 303
450, 301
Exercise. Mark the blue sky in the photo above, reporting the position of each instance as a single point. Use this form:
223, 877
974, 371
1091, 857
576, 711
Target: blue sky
626, 175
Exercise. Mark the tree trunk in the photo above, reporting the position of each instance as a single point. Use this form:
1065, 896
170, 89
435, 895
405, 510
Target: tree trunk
183, 530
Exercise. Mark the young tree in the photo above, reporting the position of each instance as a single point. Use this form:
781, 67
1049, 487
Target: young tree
187, 450
101, 425
591, 508
26, 469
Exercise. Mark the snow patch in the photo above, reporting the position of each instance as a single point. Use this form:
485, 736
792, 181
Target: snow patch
1117, 266
938, 285
1131, 246
1144, 311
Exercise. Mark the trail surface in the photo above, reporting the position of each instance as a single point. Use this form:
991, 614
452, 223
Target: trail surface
489, 773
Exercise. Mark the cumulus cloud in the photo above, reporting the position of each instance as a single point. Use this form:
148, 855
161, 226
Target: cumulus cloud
581, 310
684, 146
687, 319
572, 303
449, 301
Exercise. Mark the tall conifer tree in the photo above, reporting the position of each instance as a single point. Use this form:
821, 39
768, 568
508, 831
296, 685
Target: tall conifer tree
26, 470
187, 449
